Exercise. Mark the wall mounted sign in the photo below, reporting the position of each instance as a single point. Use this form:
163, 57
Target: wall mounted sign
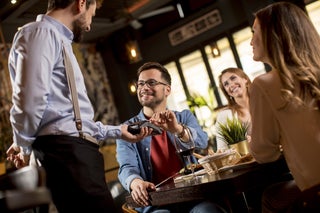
194, 28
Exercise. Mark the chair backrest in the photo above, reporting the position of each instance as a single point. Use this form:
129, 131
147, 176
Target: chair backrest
310, 199
23, 189
127, 209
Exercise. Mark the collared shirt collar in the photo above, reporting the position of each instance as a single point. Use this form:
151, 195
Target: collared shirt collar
60, 27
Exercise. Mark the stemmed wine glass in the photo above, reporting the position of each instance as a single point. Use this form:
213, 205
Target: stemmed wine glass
185, 151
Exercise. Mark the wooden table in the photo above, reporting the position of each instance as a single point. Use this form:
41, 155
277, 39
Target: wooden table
224, 184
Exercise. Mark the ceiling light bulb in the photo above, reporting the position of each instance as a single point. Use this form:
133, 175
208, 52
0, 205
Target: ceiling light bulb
13, 1
133, 53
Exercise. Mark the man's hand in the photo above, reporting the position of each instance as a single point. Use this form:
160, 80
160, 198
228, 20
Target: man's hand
166, 120
145, 131
15, 155
140, 190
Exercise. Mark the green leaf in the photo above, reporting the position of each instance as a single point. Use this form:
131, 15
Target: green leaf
233, 131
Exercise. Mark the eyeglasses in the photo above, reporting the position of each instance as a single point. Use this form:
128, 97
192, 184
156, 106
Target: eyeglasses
150, 83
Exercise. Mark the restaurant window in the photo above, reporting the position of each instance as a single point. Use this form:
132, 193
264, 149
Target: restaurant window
198, 83
177, 98
242, 41
195, 75
221, 62
194, 72
314, 14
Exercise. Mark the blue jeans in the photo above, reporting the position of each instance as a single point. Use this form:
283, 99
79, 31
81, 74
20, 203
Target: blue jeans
202, 207
207, 207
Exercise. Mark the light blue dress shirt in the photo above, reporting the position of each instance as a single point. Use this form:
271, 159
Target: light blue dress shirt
41, 98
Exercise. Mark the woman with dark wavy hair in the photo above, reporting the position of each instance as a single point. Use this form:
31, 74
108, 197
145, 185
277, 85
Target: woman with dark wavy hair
284, 102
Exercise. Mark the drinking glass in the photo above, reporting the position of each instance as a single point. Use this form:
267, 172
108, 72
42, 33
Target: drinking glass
185, 151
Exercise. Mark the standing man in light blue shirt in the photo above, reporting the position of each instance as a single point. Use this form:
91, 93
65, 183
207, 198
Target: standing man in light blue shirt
43, 117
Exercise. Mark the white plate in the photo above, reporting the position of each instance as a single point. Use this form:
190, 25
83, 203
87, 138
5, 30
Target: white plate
238, 166
186, 177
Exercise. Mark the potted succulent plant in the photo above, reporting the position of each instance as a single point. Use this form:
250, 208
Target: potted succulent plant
234, 133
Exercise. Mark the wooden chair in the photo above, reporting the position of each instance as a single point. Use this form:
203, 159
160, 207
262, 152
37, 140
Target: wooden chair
127, 209
310, 200
23, 189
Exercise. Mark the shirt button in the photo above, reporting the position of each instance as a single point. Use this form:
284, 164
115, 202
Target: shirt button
147, 149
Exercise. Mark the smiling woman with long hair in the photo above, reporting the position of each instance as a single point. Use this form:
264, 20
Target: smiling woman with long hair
234, 83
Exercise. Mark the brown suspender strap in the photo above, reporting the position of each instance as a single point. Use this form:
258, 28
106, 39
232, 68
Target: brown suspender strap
74, 97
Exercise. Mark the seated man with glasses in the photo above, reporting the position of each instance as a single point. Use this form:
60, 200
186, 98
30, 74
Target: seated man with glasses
154, 158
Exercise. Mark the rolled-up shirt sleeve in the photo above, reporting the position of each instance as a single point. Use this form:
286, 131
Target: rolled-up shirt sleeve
108, 131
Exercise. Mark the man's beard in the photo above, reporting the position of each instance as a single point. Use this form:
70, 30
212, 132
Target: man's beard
78, 29
151, 103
